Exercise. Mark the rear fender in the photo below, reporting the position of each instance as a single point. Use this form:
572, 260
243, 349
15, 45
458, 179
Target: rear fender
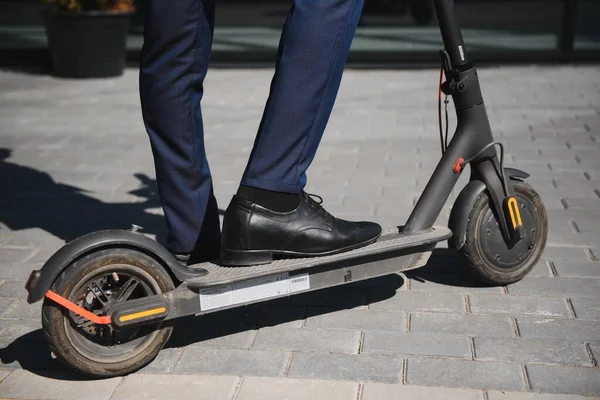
41, 280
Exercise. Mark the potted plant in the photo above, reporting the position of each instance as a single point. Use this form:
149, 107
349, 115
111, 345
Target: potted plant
87, 38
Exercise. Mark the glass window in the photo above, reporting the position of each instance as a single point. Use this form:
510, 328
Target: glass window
587, 32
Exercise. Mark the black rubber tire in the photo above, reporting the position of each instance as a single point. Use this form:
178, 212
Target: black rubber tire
471, 252
53, 315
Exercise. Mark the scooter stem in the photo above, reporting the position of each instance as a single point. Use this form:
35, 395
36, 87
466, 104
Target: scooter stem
451, 33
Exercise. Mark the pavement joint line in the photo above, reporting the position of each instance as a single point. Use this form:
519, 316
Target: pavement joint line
361, 341
591, 255
177, 358
112, 395
515, 326
552, 267
403, 370
571, 308
254, 335
590, 354
472, 347
238, 387
359, 391
288, 364
525, 375
466, 303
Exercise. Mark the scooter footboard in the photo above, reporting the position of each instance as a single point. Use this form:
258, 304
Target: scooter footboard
227, 287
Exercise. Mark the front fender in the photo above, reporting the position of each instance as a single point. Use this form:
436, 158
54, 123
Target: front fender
463, 205
41, 280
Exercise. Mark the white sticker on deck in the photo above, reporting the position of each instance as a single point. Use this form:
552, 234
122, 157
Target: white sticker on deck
215, 297
261, 288
299, 282
252, 290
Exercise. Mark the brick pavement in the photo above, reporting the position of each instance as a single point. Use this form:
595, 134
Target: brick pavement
74, 158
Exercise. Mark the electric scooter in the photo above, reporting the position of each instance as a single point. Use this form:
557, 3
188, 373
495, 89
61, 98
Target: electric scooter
110, 297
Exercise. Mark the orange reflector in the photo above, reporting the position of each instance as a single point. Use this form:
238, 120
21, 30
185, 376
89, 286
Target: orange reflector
142, 314
69, 305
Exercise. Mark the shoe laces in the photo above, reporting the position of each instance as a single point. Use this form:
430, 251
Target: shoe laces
315, 202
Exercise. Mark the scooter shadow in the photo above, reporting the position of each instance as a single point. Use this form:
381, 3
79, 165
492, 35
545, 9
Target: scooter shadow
219, 329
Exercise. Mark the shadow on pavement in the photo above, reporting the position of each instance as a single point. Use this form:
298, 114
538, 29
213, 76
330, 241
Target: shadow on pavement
32, 199
30, 351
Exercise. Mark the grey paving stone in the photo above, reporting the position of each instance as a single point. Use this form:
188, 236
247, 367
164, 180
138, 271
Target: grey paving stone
578, 270
531, 350
421, 301
6, 305
13, 289
569, 380
559, 287
183, 387
376, 391
461, 324
541, 269
424, 344
595, 350
464, 374
13, 255
307, 339
359, 368
586, 308
359, 320
18, 271
3, 375
558, 328
518, 305
163, 363
10, 329
453, 284
23, 384
231, 362
504, 395
582, 203
260, 388
24, 310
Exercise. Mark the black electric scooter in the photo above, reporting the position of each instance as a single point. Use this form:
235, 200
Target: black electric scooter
110, 297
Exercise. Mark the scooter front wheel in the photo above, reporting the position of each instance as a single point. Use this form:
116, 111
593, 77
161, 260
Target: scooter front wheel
485, 253
96, 282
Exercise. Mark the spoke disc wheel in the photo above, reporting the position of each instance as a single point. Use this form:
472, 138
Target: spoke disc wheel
96, 282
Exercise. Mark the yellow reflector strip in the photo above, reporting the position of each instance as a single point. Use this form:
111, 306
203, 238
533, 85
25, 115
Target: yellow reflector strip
142, 314
515, 214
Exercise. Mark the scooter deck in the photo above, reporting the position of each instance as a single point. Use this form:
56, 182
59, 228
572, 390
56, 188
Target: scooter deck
391, 240
227, 287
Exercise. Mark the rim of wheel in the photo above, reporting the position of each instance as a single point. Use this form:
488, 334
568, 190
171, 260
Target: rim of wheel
99, 290
491, 242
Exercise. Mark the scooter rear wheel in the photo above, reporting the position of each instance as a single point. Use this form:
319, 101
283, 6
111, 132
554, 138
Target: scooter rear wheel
485, 253
95, 282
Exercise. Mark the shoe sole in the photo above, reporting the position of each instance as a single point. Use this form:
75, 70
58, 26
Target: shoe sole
246, 258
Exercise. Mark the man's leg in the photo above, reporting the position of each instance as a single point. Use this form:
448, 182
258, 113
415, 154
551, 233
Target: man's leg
312, 53
174, 62
271, 215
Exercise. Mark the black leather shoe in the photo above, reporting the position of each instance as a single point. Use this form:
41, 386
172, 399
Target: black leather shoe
254, 235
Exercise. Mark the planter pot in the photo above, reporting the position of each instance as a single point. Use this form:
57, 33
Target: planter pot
88, 44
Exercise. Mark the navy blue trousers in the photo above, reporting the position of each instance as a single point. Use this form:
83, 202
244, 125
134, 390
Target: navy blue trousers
178, 35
